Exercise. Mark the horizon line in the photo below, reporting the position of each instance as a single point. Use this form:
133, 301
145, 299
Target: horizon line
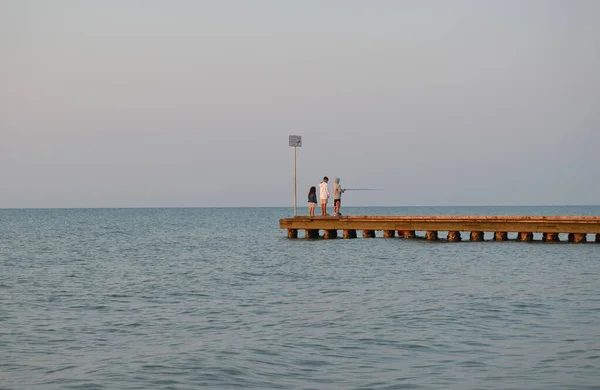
281, 207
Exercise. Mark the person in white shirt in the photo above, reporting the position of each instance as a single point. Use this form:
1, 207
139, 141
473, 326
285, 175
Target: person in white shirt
324, 190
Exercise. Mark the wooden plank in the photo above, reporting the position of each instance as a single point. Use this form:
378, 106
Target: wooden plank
535, 224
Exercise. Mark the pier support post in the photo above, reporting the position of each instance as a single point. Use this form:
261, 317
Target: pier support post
500, 236
525, 236
431, 235
330, 234
368, 233
349, 233
476, 236
454, 236
407, 233
311, 233
577, 237
578, 229
550, 237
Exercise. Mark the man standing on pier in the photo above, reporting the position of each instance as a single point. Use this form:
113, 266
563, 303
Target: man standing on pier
337, 196
324, 189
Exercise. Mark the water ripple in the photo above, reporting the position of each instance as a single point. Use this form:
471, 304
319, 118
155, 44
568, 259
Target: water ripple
170, 299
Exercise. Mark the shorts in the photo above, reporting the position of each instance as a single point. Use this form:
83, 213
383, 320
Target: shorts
337, 202
324, 201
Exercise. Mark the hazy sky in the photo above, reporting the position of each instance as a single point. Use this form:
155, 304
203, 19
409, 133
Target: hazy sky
123, 103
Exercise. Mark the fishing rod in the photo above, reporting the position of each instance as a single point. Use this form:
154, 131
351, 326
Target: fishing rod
363, 189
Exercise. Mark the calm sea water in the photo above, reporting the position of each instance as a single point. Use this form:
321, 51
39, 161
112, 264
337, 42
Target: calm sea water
220, 299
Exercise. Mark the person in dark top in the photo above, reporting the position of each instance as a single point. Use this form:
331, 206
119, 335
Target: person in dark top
312, 200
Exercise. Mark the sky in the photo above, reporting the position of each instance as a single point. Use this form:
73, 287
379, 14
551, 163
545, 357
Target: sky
176, 103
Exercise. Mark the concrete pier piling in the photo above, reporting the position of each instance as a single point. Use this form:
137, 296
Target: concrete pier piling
454, 236
368, 233
330, 234
550, 237
525, 236
577, 237
349, 233
431, 235
576, 227
408, 233
476, 236
500, 236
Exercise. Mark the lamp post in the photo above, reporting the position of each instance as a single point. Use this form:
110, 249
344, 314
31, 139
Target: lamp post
295, 142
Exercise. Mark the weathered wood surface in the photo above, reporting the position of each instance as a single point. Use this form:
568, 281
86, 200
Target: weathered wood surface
528, 224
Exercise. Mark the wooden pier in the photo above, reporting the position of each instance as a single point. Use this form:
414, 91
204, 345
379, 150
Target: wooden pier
458, 228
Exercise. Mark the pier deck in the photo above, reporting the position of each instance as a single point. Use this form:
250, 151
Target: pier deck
577, 227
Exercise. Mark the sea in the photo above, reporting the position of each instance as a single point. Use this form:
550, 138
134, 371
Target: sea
220, 298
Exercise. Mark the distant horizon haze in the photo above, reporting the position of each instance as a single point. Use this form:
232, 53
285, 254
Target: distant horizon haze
303, 210
190, 103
